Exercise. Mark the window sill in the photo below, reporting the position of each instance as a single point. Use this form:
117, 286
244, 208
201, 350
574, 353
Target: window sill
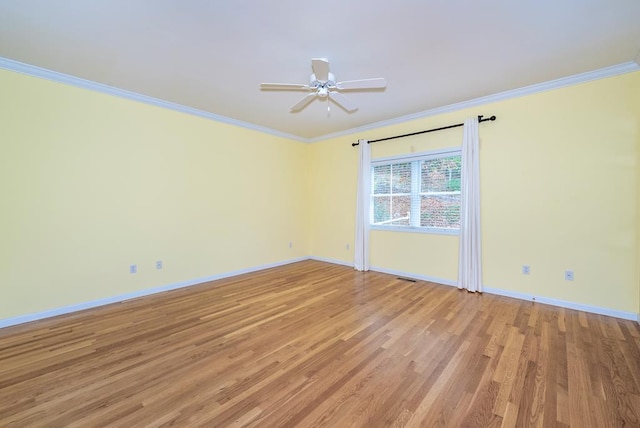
410, 229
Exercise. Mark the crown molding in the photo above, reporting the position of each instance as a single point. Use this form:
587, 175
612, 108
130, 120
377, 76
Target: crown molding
628, 67
32, 70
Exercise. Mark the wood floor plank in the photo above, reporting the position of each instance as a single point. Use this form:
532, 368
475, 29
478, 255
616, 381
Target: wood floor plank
315, 344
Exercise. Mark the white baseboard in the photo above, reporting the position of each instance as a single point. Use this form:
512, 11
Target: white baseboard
415, 276
564, 304
333, 261
521, 296
7, 322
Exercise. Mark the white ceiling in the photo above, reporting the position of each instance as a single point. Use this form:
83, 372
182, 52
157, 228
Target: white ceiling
212, 55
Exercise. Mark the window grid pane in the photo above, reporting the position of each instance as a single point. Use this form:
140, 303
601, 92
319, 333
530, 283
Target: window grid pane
440, 212
381, 179
381, 209
401, 178
441, 175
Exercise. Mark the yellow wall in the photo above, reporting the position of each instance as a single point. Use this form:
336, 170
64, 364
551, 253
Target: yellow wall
91, 183
559, 184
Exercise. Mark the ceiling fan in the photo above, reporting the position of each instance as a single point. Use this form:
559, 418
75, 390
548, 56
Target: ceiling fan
322, 84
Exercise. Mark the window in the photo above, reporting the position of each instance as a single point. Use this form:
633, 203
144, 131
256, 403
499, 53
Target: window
421, 192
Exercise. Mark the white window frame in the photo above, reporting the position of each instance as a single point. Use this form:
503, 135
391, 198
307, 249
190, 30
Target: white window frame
415, 189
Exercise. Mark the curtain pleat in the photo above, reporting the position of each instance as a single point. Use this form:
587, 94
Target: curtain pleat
361, 247
470, 261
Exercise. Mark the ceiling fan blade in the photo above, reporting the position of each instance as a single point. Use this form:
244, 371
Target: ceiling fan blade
343, 101
376, 83
285, 86
320, 68
303, 102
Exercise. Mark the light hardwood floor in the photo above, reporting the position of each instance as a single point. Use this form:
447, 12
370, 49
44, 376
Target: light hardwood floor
315, 344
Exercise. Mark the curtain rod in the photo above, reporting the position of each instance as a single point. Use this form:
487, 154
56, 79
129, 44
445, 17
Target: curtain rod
480, 119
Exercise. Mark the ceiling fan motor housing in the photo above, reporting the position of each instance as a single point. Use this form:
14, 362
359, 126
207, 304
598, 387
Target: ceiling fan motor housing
313, 82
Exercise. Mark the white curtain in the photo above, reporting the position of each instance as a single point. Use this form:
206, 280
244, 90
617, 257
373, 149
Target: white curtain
470, 267
361, 258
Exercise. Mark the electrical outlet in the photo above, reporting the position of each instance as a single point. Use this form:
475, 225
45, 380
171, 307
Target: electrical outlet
290, 244
159, 264
526, 269
133, 269
347, 247
568, 275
